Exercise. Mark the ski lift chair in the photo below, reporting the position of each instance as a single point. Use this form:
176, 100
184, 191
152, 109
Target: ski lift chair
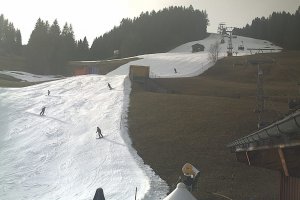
241, 47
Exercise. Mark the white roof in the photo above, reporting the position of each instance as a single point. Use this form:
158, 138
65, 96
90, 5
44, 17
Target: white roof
180, 193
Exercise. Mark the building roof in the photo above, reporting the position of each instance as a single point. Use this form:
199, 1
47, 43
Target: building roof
197, 45
282, 133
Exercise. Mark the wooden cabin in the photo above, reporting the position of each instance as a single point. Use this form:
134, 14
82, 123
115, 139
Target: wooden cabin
197, 47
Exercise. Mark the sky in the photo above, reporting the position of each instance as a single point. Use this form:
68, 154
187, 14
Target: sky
93, 18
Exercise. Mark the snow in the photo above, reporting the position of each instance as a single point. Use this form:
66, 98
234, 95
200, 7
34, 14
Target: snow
190, 64
30, 77
57, 156
180, 193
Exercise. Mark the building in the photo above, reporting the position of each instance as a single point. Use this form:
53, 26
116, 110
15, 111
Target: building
275, 147
84, 67
197, 47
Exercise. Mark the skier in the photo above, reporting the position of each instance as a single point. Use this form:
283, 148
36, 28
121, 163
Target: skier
99, 132
175, 70
109, 86
48, 92
43, 111
99, 195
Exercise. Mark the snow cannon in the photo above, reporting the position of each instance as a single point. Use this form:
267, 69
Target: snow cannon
180, 193
189, 170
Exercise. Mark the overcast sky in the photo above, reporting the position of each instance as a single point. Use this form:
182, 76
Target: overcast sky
92, 18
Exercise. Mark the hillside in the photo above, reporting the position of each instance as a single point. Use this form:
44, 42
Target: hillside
201, 115
57, 156
191, 123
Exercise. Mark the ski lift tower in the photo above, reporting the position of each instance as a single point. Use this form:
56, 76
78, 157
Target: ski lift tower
229, 47
221, 28
260, 98
222, 31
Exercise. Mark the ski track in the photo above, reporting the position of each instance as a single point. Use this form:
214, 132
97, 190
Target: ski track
57, 156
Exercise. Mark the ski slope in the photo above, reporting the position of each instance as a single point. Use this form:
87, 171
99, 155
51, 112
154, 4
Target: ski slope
57, 156
190, 64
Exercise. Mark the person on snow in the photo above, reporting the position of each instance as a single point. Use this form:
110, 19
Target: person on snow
99, 195
175, 70
43, 111
99, 132
48, 92
109, 86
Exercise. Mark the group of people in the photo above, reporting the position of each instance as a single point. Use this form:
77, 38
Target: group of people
44, 107
98, 129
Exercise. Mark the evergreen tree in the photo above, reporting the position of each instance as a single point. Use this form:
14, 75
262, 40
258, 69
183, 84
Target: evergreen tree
37, 51
152, 32
10, 38
281, 28
49, 48
82, 51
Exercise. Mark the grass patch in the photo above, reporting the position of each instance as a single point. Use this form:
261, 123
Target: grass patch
105, 66
202, 115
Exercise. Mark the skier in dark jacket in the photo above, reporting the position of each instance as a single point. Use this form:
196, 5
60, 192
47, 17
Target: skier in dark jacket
99, 195
99, 132
43, 111
109, 86
48, 92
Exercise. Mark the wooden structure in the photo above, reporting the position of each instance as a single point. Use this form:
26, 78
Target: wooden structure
84, 67
139, 73
197, 47
275, 147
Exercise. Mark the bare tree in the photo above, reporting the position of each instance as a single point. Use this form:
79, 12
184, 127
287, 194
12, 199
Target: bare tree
214, 51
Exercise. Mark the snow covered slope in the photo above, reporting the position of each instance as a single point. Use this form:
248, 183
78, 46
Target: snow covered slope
30, 77
189, 64
57, 156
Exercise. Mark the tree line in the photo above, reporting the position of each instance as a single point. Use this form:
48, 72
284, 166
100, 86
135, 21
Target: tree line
281, 28
10, 38
152, 32
50, 48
